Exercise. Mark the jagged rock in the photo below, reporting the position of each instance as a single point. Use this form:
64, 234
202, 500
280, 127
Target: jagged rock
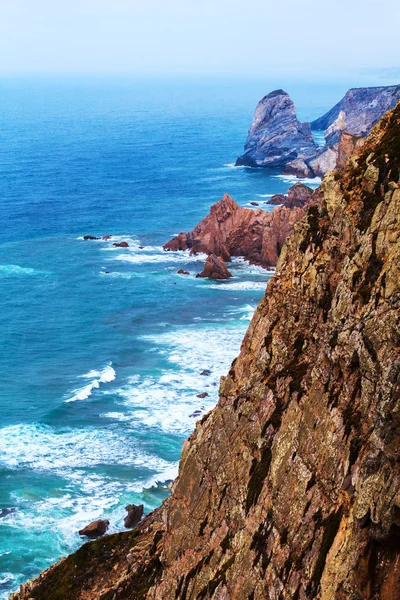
254, 203
348, 144
215, 268
276, 136
357, 112
195, 414
121, 244
289, 488
95, 529
299, 195
106, 237
134, 516
90, 237
230, 230
182, 272
298, 167
202, 395
324, 161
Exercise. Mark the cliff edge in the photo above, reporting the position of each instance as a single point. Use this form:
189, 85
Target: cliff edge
288, 489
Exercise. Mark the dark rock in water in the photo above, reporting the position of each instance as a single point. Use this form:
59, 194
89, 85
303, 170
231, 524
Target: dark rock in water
141, 247
4, 512
215, 268
277, 199
299, 195
134, 516
202, 395
95, 529
106, 237
196, 413
90, 237
254, 203
276, 136
121, 244
182, 272
206, 372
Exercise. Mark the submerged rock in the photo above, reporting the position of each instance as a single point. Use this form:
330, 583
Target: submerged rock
95, 529
276, 136
182, 272
134, 516
4, 512
215, 268
202, 395
90, 237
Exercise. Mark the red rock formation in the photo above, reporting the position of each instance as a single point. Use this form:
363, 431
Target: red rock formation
95, 529
298, 195
215, 268
230, 230
290, 488
348, 144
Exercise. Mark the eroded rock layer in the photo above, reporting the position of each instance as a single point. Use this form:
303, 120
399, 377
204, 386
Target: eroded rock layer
289, 488
231, 230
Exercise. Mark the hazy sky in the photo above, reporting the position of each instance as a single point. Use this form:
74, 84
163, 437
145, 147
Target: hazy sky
228, 37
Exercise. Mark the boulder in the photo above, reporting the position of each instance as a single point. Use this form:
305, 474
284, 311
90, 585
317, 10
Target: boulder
121, 244
254, 203
134, 516
90, 237
182, 272
202, 395
277, 199
215, 268
106, 238
95, 529
276, 136
299, 195
206, 372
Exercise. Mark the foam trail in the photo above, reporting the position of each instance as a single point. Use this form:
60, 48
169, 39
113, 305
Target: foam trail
105, 376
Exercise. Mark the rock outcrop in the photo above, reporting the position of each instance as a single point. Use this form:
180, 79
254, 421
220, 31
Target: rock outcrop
299, 195
95, 529
215, 268
290, 488
134, 516
231, 230
276, 136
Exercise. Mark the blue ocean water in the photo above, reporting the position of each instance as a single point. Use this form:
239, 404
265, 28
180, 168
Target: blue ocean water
102, 348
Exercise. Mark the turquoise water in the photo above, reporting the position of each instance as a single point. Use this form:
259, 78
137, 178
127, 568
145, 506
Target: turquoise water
102, 348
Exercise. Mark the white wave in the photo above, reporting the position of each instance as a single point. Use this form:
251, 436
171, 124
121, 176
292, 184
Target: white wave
265, 195
313, 181
6, 577
233, 166
245, 286
105, 376
16, 270
162, 257
41, 448
117, 274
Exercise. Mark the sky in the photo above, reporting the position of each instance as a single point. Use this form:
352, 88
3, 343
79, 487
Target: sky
200, 37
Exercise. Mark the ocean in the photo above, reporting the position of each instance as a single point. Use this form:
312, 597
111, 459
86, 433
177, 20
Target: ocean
102, 349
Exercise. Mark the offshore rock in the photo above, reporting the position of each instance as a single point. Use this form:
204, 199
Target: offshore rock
299, 195
121, 244
276, 136
290, 488
95, 529
134, 516
231, 230
215, 268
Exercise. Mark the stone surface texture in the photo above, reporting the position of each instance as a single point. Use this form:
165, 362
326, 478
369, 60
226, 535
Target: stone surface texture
289, 489
215, 268
276, 136
231, 230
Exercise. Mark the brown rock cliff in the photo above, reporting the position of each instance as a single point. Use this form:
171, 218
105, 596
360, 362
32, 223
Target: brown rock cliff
289, 488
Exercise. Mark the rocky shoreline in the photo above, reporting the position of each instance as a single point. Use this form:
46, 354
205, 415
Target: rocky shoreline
277, 138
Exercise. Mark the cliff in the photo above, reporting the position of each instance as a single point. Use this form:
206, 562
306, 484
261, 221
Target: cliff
276, 136
231, 230
288, 489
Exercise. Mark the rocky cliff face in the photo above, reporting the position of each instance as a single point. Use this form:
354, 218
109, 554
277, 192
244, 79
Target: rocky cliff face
276, 136
290, 488
230, 230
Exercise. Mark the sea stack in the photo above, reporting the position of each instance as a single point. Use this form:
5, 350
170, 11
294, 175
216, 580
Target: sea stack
276, 136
